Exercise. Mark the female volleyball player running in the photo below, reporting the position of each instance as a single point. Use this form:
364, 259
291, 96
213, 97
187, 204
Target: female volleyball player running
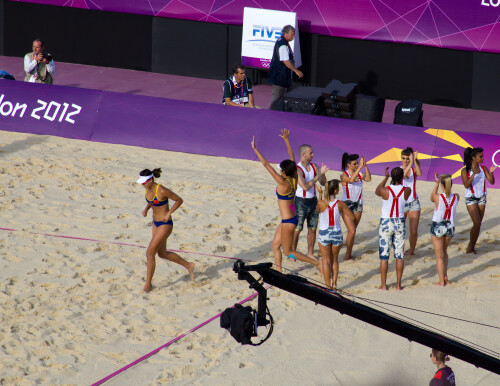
157, 197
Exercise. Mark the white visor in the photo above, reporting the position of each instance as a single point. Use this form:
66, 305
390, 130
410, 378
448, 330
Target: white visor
143, 179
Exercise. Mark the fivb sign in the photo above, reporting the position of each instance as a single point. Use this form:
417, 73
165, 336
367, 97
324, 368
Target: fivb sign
265, 33
261, 29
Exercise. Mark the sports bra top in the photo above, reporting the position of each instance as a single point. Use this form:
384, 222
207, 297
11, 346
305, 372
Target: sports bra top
290, 195
155, 201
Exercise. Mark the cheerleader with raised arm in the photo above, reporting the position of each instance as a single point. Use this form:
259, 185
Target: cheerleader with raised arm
330, 234
443, 223
285, 192
352, 194
474, 177
391, 231
411, 167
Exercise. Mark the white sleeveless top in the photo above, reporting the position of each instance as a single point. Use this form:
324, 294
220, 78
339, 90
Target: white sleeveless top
447, 209
478, 186
394, 207
330, 217
308, 176
411, 182
353, 191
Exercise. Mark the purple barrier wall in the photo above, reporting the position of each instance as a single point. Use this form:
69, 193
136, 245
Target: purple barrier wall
472, 25
38, 109
216, 130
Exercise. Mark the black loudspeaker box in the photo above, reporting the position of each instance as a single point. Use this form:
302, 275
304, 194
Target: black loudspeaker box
368, 108
409, 113
302, 100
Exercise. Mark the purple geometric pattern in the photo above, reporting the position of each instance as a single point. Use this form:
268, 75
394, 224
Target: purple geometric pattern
472, 25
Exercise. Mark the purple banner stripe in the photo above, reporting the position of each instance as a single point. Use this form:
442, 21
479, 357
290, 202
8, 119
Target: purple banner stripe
208, 129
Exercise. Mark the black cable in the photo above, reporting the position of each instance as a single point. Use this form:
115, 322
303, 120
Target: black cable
437, 329
403, 316
427, 312
396, 305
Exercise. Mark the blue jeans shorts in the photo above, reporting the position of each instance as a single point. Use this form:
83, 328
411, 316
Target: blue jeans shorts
475, 201
413, 206
330, 237
442, 228
391, 234
306, 209
354, 206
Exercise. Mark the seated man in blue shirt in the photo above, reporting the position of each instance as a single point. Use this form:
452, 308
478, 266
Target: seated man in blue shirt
238, 89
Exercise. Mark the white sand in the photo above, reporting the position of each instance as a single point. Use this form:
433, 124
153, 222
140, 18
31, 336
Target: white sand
73, 311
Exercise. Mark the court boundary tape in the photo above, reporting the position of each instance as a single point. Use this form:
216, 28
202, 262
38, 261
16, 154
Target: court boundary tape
118, 243
179, 337
155, 351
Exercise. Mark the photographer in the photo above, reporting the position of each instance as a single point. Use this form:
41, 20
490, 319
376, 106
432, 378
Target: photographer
39, 65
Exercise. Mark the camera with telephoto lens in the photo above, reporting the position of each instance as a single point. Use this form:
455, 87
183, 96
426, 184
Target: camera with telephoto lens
47, 56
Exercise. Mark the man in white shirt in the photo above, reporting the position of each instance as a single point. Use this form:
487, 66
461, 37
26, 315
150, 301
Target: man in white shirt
305, 197
39, 65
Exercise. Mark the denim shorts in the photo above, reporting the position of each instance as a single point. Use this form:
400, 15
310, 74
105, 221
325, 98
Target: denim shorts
354, 206
413, 206
330, 237
306, 209
442, 228
391, 233
475, 201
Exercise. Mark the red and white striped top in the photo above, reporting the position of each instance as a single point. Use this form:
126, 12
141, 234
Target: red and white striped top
411, 182
478, 186
447, 208
353, 191
394, 206
330, 217
308, 176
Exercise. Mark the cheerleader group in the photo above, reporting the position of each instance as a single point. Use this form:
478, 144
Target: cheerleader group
399, 202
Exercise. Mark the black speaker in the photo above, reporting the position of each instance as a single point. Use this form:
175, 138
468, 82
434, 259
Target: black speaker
409, 113
342, 92
303, 100
368, 108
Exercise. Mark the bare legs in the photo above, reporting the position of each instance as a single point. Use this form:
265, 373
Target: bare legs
351, 233
284, 238
276, 247
330, 263
476, 213
158, 245
441, 249
400, 264
414, 218
311, 239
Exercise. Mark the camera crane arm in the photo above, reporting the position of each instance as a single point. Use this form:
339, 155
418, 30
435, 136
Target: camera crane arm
301, 287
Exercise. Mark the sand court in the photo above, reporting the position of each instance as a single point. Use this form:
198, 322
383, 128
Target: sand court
73, 311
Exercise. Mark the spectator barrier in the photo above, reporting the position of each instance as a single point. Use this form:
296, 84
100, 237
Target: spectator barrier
216, 130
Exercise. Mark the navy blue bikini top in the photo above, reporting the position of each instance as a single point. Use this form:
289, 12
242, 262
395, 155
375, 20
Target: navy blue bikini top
155, 201
291, 194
